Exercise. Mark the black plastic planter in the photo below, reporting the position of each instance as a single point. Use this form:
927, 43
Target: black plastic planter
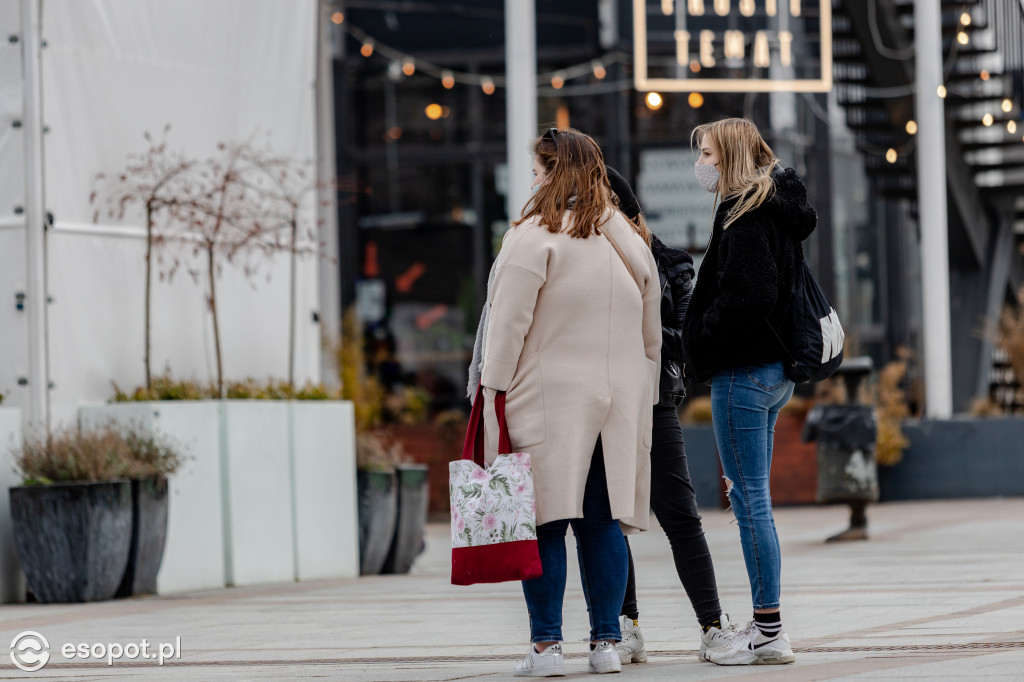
413, 495
72, 538
378, 502
149, 532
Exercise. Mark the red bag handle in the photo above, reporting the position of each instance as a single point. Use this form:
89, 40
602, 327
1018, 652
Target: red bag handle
474, 446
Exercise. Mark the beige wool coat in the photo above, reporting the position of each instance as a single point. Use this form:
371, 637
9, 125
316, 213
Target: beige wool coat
575, 342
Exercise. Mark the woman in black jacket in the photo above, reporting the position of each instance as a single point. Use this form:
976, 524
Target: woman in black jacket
672, 497
744, 291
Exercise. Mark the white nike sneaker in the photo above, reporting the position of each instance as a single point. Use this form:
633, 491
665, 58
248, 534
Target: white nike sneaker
716, 638
548, 663
750, 647
604, 659
631, 648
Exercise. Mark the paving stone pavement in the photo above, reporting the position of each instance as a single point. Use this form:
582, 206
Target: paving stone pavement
937, 593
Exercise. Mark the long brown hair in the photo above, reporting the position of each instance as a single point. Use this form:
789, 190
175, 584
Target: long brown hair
576, 180
745, 163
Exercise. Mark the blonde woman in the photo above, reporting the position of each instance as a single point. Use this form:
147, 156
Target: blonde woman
574, 339
744, 284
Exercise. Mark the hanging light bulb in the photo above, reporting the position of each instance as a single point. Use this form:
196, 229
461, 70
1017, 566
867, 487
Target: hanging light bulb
1007, 105
912, 127
447, 79
962, 37
408, 67
891, 155
941, 90
1011, 127
987, 120
695, 100
983, 75
654, 101
487, 85
558, 80
599, 70
338, 17
367, 49
965, 19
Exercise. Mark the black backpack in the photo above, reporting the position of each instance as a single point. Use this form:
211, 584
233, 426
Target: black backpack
813, 339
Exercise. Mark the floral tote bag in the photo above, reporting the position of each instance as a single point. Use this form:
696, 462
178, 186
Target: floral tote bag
494, 525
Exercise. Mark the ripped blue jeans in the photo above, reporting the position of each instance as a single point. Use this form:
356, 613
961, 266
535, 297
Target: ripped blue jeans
745, 404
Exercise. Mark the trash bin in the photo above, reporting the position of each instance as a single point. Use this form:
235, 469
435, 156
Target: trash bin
847, 436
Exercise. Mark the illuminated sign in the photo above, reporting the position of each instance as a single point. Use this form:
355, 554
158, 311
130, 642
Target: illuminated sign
732, 45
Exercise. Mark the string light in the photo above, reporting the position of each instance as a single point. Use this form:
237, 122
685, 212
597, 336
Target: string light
1007, 105
487, 85
599, 70
941, 90
912, 127
367, 49
890, 155
433, 111
408, 67
983, 75
965, 19
1011, 127
987, 120
695, 100
558, 80
447, 79
654, 101
962, 37
338, 17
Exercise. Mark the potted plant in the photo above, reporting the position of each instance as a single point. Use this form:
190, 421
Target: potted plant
151, 461
72, 515
378, 499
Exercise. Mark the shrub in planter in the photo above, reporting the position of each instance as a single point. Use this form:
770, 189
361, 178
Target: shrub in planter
150, 462
72, 518
378, 498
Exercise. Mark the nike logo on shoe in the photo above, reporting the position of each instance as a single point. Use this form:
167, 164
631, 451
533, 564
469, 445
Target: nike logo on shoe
754, 647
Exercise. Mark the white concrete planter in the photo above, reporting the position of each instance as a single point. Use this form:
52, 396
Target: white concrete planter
278, 492
194, 554
326, 517
256, 473
12, 580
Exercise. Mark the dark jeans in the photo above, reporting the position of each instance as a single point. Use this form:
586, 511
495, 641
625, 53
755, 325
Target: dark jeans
601, 551
675, 505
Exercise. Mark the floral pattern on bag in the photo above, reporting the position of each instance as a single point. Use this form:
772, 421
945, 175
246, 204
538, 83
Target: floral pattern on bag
492, 505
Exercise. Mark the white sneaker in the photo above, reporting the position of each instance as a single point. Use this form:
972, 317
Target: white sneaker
716, 638
548, 663
631, 648
750, 647
604, 659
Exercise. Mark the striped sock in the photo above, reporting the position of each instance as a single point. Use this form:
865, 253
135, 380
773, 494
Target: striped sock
770, 624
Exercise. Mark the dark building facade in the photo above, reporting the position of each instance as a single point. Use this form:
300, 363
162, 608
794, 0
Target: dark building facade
421, 149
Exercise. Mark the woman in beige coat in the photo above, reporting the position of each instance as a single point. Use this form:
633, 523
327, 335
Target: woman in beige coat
574, 339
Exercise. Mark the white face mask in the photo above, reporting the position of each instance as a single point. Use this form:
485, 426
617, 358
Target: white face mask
707, 175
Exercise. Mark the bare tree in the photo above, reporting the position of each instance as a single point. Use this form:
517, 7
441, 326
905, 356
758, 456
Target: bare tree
287, 225
158, 180
224, 221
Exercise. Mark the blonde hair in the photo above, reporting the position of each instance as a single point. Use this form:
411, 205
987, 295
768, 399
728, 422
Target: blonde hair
576, 180
745, 163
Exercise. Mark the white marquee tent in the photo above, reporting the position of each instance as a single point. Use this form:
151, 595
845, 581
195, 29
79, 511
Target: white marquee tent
108, 71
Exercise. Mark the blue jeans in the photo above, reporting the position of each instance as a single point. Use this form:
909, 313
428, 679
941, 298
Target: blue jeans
601, 551
745, 404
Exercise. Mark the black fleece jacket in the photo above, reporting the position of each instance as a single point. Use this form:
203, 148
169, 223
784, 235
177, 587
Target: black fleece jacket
745, 279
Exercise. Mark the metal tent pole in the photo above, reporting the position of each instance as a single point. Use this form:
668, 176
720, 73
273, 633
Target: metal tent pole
38, 412
931, 206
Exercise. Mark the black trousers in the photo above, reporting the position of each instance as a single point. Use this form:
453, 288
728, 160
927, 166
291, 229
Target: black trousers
675, 505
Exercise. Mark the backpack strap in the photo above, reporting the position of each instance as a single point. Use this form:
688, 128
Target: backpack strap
622, 256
